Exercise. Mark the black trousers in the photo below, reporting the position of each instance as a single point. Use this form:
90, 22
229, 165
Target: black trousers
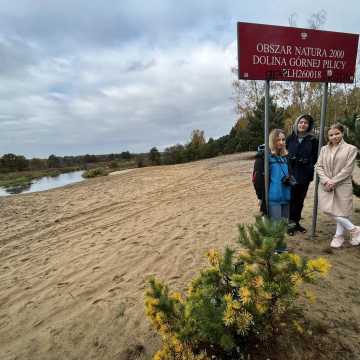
298, 194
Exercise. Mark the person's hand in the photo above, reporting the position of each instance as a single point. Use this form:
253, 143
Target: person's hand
329, 185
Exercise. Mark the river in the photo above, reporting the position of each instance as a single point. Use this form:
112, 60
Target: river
44, 183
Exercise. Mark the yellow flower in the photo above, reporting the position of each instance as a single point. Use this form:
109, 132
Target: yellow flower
298, 327
321, 265
296, 259
229, 315
163, 329
232, 307
243, 321
150, 306
190, 290
160, 355
250, 268
159, 319
177, 345
261, 308
244, 255
258, 281
213, 257
245, 295
296, 279
150, 301
176, 296
265, 295
236, 305
165, 353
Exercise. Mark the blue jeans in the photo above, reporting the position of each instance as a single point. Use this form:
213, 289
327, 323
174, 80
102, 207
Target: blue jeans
279, 211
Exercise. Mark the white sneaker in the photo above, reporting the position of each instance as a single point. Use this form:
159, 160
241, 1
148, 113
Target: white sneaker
355, 236
337, 241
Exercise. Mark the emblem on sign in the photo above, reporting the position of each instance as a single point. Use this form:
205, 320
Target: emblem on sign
329, 73
304, 35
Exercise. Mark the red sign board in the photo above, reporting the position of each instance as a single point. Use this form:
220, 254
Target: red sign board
283, 53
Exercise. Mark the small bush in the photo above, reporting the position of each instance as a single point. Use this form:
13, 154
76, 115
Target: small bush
237, 304
94, 172
113, 165
140, 161
54, 173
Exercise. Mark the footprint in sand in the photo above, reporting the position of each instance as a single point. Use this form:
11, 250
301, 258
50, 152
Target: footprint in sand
114, 289
4, 321
99, 300
118, 278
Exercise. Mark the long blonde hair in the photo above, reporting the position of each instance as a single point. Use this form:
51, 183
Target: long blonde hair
273, 137
336, 126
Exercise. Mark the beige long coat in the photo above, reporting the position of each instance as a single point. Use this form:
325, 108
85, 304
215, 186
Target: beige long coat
338, 168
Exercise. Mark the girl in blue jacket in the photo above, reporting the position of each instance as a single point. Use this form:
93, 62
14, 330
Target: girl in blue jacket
279, 180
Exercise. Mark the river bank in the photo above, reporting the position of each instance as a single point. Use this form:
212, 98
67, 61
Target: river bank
23, 178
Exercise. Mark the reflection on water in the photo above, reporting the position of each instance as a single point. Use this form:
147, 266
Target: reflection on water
44, 183
17, 189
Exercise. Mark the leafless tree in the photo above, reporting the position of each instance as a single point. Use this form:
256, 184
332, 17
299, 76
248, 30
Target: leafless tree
318, 19
293, 19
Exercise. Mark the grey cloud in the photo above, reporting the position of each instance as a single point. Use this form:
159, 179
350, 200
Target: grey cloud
140, 66
69, 24
116, 109
16, 55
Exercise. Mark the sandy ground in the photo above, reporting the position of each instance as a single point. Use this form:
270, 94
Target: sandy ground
74, 261
121, 172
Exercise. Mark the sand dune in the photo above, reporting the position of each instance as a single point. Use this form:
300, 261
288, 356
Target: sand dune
74, 261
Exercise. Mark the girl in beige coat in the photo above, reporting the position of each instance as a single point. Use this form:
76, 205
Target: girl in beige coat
334, 167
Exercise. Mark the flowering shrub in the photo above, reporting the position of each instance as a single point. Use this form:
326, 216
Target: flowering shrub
237, 303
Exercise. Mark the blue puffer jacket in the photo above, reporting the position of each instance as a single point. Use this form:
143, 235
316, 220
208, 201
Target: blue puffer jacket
278, 192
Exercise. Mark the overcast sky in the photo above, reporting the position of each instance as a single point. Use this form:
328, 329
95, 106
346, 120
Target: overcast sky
98, 77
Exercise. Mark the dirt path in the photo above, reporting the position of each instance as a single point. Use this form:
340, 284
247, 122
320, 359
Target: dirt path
74, 261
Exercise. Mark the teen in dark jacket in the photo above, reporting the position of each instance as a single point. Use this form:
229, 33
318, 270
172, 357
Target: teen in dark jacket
302, 147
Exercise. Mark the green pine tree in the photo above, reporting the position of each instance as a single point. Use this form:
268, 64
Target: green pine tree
253, 135
236, 303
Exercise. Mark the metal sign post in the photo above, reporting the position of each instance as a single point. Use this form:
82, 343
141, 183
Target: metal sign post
266, 135
321, 141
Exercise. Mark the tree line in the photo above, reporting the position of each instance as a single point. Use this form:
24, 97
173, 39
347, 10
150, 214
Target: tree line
12, 162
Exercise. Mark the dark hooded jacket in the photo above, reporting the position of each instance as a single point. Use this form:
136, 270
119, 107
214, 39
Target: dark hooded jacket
258, 178
302, 153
